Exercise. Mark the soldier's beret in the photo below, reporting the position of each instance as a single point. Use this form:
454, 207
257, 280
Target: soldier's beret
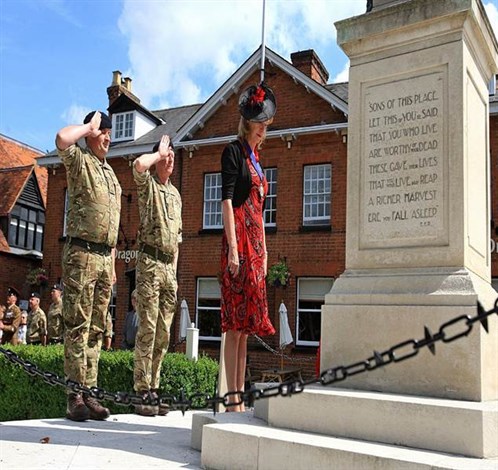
13, 291
34, 295
257, 103
57, 287
105, 122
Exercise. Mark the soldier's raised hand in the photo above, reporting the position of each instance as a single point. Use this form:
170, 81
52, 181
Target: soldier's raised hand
164, 148
95, 124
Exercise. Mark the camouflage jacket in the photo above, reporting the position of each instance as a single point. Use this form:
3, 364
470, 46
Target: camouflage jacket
37, 326
55, 327
94, 197
160, 208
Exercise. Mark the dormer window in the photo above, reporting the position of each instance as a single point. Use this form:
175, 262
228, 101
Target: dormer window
123, 126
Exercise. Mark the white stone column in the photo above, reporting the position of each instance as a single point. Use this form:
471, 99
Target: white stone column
418, 210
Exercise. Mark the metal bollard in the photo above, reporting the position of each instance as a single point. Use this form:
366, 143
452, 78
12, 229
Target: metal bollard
192, 342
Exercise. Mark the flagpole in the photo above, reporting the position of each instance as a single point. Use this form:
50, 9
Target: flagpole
262, 76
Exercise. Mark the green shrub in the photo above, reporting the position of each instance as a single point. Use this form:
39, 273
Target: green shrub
23, 396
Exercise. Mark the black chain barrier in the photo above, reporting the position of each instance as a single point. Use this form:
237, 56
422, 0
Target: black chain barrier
448, 332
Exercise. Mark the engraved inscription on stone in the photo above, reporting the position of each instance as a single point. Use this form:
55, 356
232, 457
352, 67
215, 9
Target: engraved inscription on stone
402, 200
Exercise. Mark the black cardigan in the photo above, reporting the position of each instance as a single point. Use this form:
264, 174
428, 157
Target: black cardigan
235, 174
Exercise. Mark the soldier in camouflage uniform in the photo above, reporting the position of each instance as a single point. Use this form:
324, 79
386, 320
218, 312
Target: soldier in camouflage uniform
11, 318
55, 328
88, 255
159, 234
36, 332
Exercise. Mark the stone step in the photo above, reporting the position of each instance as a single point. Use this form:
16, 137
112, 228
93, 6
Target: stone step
241, 446
450, 426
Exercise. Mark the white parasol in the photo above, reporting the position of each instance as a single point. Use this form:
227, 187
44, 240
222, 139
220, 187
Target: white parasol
184, 319
285, 331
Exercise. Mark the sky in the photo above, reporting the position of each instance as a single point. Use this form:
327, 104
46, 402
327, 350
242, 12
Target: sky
57, 56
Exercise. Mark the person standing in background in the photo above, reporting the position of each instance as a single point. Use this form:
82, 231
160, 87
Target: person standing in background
23, 328
160, 233
36, 332
131, 324
55, 327
94, 196
11, 318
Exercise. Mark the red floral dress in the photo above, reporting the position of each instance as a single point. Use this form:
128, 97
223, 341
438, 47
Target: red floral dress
244, 304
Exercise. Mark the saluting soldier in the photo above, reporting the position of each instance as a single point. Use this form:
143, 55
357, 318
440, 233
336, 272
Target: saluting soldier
88, 256
55, 327
36, 332
11, 318
160, 232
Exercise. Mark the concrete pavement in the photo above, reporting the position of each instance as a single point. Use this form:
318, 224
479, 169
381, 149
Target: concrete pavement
126, 441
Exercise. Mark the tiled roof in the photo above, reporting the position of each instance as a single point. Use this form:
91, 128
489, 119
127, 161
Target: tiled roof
14, 154
12, 181
4, 246
339, 89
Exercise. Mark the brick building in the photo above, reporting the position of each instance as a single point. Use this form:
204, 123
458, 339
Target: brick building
22, 215
304, 158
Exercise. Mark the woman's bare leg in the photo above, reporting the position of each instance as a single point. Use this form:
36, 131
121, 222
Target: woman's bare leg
231, 357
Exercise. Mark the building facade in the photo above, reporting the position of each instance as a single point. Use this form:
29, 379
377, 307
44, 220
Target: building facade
22, 218
305, 161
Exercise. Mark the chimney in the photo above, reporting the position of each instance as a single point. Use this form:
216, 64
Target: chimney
311, 65
127, 83
120, 86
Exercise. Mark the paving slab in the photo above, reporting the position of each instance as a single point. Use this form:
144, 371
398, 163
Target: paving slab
125, 441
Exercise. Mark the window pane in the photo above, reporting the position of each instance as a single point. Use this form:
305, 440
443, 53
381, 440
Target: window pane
311, 297
316, 194
209, 323
21, 238
208, 311
270, 214
31, 236
39, 238
212, 201
14, 224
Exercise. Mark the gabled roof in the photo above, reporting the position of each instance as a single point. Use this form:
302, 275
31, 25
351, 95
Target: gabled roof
232, 85
12, 182
15, 154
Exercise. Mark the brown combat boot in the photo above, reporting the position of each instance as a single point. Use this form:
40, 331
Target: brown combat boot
145, 410
163, 408
97, 411
76, 408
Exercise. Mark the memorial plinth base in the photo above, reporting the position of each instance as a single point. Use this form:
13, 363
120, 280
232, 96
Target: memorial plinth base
322, 429
373, 310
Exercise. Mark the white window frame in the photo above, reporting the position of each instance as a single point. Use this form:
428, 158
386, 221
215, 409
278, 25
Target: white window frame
124, 125
270, 213
319, 295
210, 295
212, 202
317, 191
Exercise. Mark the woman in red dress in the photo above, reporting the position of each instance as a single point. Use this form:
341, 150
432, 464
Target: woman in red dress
244, 309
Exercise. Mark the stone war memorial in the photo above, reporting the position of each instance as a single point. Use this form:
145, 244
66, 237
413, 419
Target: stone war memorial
417, 256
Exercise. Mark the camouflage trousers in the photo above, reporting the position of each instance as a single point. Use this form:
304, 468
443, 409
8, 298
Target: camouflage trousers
156, 304
87, 281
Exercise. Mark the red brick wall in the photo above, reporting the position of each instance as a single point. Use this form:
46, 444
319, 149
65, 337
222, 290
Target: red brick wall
13, 272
